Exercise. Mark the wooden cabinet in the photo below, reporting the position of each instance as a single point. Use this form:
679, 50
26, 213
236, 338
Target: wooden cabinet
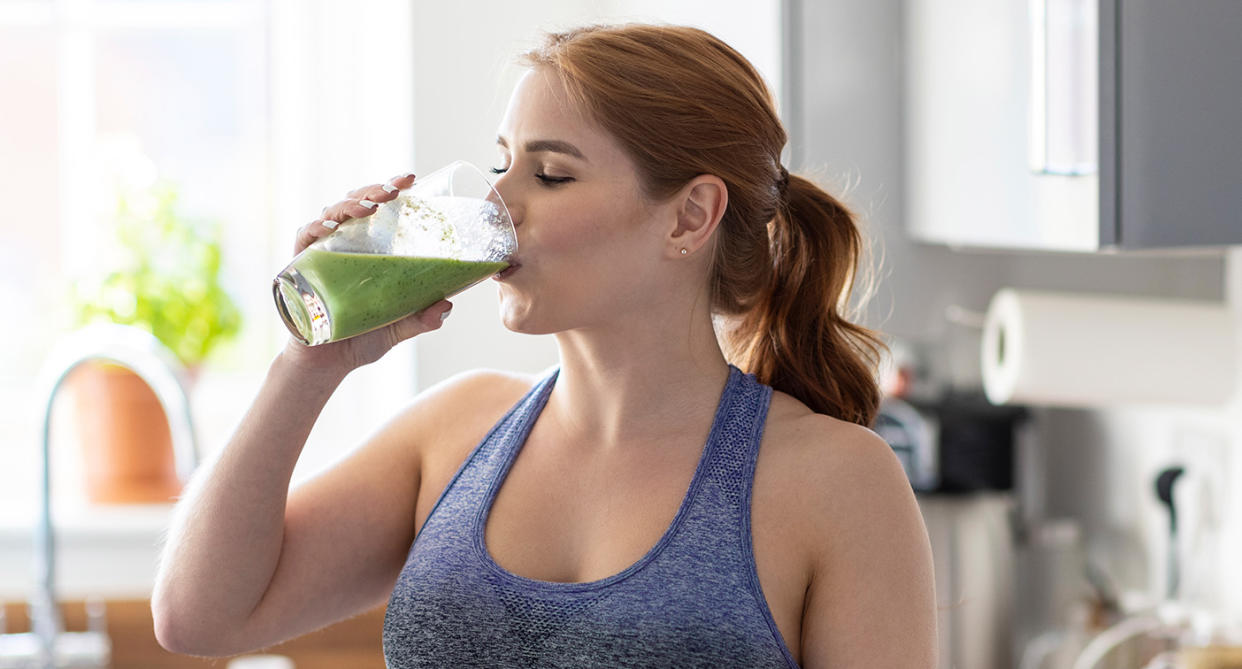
1075, 125
353, 643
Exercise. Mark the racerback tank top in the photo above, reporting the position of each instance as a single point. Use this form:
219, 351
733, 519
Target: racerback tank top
692, 601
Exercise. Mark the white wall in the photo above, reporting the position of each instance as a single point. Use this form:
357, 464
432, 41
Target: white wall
464, 72
1101, 468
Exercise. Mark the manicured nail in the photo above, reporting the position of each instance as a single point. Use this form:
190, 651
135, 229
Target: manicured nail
368, 204
407, 175
331, 224
389, 188
444, 315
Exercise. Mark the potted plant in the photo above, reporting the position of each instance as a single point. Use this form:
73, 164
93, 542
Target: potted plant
165, 279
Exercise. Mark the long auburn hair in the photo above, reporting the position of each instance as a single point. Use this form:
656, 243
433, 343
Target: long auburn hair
683, 103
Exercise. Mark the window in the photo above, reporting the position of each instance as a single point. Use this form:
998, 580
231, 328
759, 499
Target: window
247, 108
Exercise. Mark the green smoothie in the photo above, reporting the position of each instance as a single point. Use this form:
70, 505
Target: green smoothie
362, 291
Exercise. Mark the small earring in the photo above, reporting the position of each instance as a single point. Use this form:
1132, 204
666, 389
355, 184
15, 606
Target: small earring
684, 252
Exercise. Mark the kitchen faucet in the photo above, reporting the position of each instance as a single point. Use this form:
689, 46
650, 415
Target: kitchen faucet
47, 645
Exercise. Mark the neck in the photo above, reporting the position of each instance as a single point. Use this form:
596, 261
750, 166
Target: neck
639, 380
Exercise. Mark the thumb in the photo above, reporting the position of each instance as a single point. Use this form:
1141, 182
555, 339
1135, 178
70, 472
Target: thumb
426, 320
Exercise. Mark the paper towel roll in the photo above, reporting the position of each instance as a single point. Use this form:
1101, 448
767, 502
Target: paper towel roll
1088, 351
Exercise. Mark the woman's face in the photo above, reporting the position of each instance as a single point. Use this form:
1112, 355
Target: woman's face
590, 245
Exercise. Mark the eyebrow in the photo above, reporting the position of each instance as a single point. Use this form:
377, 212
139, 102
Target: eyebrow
551, 145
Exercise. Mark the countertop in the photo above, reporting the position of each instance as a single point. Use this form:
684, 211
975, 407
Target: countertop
100, 551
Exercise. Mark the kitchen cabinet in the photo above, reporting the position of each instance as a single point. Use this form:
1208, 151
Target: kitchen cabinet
1073, 125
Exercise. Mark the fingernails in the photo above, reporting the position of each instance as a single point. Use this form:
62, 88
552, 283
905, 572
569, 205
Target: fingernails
389, 188
407, 175
445, 314
368, 204
331, 224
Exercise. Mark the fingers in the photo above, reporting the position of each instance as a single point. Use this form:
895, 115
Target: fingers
382, 192
346, 209
374, 193
402, 181
426, 320
358, 203
308, 233
362, 202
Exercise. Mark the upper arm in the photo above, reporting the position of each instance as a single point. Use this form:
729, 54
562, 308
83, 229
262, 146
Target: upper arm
348, 529
871, 602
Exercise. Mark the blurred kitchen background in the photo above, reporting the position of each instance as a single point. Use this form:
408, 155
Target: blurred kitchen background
1068, 147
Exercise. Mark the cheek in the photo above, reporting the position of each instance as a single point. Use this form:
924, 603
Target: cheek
605, 225
581, 228
589, 257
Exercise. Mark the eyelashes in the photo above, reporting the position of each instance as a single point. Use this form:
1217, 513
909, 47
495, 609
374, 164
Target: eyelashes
553, 180
543, 178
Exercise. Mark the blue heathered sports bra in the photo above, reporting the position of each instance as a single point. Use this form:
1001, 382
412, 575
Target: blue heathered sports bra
692, 601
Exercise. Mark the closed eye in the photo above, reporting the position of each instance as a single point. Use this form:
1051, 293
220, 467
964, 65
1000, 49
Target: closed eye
551, 181
545, 179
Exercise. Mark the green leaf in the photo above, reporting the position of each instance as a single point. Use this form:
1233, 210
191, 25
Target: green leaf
169, 280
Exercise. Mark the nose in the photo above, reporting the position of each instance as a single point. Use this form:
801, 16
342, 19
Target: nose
510, 198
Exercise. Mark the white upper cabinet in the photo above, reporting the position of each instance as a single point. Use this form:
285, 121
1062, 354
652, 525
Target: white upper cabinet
1074, 125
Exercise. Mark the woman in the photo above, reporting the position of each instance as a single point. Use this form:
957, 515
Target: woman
647, 503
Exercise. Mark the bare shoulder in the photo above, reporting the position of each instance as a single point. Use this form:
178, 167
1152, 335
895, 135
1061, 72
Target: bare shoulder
469, 392
831, 477
453, 417
464, 406
831, 458
437, 428
854, 518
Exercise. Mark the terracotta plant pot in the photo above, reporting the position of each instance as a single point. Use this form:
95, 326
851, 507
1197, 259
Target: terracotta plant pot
126, 441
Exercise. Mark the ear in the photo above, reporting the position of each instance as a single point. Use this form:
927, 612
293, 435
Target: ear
700, 206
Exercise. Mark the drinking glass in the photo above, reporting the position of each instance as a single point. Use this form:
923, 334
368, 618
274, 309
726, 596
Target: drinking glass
443, 234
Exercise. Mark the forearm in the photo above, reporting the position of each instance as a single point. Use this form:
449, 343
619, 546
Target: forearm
226, 536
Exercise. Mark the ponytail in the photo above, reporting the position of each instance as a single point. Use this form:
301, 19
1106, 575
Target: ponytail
797, 336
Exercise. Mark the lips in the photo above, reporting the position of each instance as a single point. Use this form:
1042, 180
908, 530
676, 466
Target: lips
506, 272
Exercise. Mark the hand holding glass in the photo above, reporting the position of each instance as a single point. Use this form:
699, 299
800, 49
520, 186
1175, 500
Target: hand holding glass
438, 237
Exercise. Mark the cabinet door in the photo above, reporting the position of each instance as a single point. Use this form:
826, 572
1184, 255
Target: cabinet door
973, 171
1179, 122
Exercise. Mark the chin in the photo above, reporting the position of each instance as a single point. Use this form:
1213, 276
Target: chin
520, 316
548, 312
524, 323
515, 312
